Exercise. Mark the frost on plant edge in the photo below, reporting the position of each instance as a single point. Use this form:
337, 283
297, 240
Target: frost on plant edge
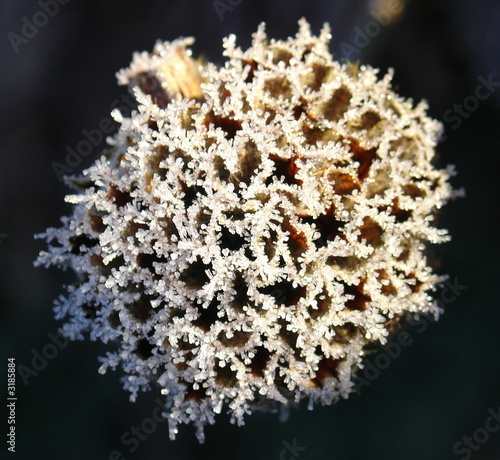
253, 227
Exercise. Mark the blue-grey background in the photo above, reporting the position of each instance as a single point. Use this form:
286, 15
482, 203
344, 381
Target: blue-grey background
62, 81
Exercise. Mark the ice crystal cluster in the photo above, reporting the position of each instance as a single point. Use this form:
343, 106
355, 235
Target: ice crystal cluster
253, 227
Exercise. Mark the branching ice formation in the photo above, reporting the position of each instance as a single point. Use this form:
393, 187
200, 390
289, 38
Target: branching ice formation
253, 226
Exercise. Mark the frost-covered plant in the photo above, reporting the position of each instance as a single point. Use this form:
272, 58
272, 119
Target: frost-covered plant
253, 227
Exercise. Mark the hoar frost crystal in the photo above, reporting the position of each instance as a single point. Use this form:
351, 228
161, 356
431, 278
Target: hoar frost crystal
253, 227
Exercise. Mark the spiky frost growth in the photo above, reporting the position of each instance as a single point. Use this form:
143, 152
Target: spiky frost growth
253, 228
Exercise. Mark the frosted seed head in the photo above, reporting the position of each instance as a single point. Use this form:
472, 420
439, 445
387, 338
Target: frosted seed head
254, 228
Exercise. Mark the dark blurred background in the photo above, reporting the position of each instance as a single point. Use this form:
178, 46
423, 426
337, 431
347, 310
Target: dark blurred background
61, 80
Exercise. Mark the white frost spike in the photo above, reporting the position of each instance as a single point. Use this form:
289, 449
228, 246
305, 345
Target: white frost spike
253, 228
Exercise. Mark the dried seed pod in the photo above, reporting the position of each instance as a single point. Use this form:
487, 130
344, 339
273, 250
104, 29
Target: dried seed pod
254, 228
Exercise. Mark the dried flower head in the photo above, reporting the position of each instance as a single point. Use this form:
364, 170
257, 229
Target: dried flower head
253, 227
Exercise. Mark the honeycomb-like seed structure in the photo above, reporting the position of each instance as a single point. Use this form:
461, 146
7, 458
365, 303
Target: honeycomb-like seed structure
253, 227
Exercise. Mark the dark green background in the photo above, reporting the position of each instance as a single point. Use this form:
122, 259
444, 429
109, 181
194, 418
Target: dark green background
62, 82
